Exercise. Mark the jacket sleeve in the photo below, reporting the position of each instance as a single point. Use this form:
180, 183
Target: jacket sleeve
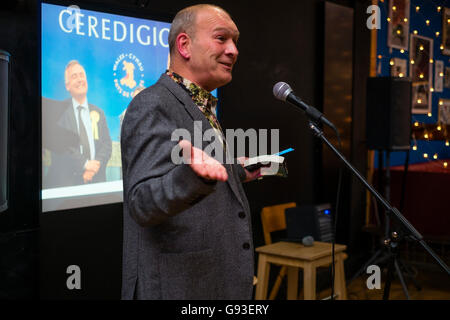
155, 188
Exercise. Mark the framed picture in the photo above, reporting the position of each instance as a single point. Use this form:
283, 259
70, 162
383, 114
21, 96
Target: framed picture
446, 31
447, 77
444, 111
398, 27
421, 97
398, 69
439, 76
420, 72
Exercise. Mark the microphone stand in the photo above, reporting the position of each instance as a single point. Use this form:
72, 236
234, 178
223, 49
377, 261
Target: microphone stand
390, 244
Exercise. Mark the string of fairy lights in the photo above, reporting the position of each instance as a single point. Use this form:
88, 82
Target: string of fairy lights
425, 22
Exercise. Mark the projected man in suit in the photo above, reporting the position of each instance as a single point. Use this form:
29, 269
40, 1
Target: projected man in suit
76, 134
187, 227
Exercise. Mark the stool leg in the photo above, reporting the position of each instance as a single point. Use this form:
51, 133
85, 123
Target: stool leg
276, 286
292, 283
339, 279
263, 277
309, 281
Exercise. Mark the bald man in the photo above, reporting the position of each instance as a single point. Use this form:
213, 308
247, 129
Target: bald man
187, 230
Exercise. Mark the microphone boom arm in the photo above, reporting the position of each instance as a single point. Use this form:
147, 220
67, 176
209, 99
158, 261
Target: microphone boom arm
391, 210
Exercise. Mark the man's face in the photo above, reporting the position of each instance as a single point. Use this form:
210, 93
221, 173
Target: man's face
76, 82
213, 49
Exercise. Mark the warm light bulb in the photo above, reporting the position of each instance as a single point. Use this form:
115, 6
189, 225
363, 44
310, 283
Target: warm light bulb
425, 155
437, 34
421, 76
379, 56
412, 61
399, 32
416, 124
391, 62
445, 164
435, 156
441, 74
429, 114
417, 8
406, 19
419, 101
415, 31
394, 8
442, 47
389, 19
439, 9
427, 22
421, 48
431, 89
401, 75
425, 135
431, 61
414, 147
446, 143
448, 20
439, 128
441, 103
402, 51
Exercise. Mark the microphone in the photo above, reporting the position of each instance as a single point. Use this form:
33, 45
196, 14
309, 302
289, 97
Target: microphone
308, 241
282, 91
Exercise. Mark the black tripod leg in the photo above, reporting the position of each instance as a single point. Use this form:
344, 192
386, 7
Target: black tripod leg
387, 286
402, 281
403, 265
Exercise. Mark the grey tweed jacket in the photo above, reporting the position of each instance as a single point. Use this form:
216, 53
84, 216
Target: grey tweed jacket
183, 238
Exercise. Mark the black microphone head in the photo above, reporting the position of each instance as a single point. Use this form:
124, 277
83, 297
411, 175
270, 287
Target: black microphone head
308, 241
281, 90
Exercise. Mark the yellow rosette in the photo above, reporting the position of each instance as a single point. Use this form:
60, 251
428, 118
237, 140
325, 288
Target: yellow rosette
95, 118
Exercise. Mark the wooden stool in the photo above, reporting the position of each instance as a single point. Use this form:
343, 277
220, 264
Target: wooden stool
294, 256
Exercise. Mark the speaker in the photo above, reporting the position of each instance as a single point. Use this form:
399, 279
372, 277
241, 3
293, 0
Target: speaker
388, 117
4, 117
310, 220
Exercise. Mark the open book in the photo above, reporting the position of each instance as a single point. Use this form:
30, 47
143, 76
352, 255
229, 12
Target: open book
272, 164
255, 163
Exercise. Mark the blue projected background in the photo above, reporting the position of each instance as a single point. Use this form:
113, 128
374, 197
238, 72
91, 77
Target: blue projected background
101, 42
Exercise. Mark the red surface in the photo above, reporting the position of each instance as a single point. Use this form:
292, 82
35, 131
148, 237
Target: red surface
427, 197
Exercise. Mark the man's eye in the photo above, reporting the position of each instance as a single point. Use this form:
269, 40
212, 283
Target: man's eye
221, 38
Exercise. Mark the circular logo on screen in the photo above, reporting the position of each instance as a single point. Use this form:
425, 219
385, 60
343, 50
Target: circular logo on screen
128, 75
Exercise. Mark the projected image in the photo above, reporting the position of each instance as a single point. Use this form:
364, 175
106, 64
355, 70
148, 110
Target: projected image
93, 64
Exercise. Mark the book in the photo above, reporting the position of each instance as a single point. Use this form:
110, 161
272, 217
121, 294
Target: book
272, 164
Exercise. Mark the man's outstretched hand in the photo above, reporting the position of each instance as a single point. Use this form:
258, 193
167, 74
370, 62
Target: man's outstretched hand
202, 164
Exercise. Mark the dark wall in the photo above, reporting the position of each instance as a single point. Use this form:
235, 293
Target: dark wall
280, 41
18, 225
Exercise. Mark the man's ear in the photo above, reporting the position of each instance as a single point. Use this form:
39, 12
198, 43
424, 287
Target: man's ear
183, 42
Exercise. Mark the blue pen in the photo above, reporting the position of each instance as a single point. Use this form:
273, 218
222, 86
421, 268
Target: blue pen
284, 151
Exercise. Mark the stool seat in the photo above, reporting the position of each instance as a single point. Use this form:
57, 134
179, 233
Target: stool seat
294, 256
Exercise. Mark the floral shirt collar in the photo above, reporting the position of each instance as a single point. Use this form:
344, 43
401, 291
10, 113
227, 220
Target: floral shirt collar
201, 97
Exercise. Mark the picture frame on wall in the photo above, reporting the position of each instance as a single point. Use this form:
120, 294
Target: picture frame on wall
439, 76
420, 72
421, 97
446, 31
399, 69
447, 77
398, 27
444, 111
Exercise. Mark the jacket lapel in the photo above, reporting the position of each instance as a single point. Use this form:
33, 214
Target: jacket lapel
197, 115
67, 119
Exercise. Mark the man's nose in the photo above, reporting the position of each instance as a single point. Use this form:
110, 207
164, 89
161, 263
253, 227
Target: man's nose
232, 49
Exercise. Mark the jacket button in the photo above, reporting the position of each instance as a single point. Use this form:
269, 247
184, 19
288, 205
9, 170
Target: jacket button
241, 215
246, 246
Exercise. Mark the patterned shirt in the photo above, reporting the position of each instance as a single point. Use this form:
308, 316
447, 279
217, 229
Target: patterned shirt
204, 100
